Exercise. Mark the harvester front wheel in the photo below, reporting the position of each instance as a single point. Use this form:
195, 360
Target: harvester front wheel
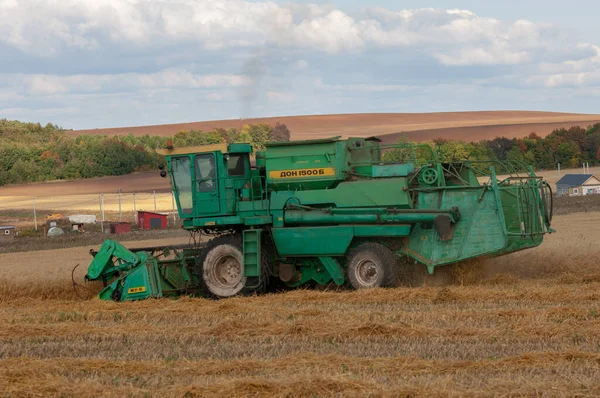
371, 265
220, 269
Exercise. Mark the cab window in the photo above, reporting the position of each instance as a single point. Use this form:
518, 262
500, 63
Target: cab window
235, 166
182, 182
205, 173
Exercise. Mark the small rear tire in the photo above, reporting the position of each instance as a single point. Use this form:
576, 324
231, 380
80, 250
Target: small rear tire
371, 265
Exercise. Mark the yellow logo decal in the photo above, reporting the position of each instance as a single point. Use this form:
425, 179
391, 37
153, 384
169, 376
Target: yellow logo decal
209, 223
300, 173
133, 290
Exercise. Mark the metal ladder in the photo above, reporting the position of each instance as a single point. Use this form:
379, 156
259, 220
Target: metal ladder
252, 257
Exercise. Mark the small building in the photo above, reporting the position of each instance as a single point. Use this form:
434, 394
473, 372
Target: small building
7, 232
82, 219
120, 228
77, 227
578, 184
151, 220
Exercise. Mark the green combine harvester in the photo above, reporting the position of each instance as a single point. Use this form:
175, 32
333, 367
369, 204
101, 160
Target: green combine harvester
349, 211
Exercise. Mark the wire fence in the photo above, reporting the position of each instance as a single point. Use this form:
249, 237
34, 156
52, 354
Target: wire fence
104, 207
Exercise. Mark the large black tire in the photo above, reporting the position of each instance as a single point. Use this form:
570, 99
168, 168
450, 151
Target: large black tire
220, 269
371, 265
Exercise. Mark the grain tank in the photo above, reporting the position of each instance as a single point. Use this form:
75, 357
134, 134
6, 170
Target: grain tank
348, 211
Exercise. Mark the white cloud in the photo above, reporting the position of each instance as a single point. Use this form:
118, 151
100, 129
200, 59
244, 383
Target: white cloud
46, 85
301, 64
499, 55
46, 112
570, 73
166, 61
281, 96
363, 88
455, 37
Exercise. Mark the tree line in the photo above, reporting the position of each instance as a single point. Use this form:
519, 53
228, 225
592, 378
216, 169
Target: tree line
30, 152
570, 147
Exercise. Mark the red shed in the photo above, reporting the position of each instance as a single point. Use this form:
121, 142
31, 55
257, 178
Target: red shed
150, 220
120, 228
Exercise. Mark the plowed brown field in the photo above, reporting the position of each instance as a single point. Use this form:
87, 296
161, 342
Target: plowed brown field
527, 325
144, 182
453, 125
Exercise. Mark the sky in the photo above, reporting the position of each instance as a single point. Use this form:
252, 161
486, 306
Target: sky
115, 63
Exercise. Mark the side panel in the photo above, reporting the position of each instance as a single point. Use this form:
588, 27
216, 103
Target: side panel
311, 165
524, 219
362, 193
313, 241
329, 241
478, 232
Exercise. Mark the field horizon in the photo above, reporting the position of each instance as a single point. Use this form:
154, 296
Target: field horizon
465, 125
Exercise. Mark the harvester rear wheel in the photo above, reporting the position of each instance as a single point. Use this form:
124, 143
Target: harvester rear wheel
371, 265
220, 269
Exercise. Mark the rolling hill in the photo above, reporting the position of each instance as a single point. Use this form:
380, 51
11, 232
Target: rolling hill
468, 126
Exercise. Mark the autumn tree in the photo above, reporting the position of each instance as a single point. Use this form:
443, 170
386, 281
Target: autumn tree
280, 132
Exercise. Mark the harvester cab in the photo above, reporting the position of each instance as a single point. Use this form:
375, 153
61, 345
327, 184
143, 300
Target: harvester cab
345, 211
207, 181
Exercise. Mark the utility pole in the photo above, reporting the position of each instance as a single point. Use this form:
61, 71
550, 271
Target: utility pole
559, 171
120, 215
154, 200
134, 210
34, 215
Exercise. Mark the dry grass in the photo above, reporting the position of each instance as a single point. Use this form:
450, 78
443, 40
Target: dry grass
527, 324
86, 202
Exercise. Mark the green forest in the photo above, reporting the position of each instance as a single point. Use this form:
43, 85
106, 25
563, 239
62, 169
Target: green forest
31, 152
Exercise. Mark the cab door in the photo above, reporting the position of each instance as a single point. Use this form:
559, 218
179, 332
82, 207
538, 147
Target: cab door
206, 185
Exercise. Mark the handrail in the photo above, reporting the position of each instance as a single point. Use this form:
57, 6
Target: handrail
417, 158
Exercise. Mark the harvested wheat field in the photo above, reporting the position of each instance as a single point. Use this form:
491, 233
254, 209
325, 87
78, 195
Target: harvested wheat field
525, 324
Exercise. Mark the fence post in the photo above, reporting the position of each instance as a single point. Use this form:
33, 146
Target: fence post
34, 215
134, 210
154, 200
102, 210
